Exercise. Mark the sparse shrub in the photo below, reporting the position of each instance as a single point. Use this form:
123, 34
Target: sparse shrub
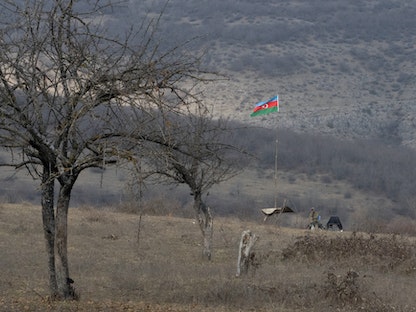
402, 225
344, 289
387, 249
350, 290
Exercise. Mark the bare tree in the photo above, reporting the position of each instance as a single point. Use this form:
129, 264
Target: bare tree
71, 96
195, 149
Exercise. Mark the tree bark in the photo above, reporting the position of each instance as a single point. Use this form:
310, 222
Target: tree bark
205, 221
244, 252
48, 219
62, 265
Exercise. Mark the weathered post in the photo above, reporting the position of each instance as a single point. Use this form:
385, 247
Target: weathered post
245, 255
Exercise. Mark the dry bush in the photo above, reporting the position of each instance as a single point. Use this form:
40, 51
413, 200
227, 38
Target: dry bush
402, 225
345, 289
349, 289
387, 250
355, 288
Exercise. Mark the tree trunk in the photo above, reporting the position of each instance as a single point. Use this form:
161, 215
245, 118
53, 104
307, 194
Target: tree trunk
245, 255
205, 221
48, 219
62, 266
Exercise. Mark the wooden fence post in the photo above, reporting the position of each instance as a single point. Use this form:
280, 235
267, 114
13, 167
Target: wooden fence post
244, 252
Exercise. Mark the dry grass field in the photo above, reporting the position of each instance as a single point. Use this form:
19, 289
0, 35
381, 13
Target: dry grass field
121, 262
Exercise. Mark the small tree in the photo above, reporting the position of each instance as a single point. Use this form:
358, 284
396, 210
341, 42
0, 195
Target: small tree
195, 150
70, 96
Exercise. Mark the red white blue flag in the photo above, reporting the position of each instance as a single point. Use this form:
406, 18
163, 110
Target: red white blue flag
266, 107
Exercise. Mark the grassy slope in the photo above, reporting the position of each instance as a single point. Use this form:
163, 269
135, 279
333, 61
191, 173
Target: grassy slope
162, 270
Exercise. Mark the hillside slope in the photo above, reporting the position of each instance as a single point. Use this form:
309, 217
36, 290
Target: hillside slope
346, 68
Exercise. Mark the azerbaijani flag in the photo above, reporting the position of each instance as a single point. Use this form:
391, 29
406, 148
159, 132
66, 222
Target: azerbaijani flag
266, 107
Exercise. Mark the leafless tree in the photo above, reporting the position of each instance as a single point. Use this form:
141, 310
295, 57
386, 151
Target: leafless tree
197, 150
70, 98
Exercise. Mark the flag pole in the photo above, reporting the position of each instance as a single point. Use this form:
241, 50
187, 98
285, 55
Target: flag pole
275, 160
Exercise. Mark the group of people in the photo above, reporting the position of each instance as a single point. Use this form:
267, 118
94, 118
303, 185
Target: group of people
315, 221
